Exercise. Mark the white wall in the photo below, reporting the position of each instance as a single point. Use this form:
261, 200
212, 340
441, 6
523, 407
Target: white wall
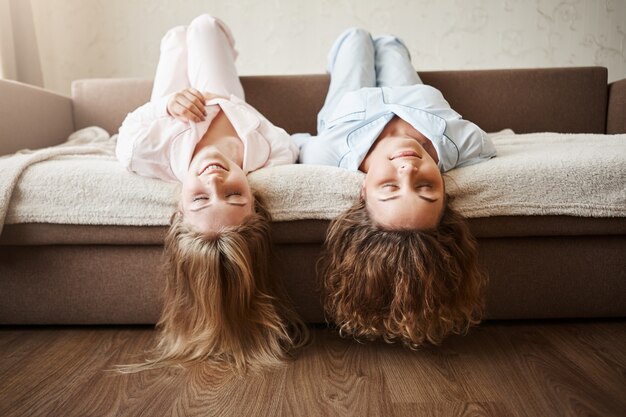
120, 38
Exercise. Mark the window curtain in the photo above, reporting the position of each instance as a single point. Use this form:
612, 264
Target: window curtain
19, 54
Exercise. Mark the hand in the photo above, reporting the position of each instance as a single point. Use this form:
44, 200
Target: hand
187, 105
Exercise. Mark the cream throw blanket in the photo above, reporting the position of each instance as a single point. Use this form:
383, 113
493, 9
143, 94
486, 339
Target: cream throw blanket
81, 182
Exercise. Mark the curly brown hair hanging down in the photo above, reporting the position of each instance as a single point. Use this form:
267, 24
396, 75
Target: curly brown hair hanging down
222, 304
402, 286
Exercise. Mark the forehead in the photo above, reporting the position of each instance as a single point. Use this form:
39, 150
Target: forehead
405, 212
216, 218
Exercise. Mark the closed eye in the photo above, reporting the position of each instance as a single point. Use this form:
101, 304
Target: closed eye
200, 198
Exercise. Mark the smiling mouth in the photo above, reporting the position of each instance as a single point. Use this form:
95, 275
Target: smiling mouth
405, 154
213, 167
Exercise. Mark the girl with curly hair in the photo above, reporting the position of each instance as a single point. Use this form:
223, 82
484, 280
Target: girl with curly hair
400, 264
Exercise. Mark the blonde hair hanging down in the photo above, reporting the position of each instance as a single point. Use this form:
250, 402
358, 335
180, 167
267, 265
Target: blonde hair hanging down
402, 286
222, 304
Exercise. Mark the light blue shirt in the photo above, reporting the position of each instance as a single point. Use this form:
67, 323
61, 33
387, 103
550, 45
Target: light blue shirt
360, 117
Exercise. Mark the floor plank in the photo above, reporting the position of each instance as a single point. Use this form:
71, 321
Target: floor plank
431, 374
558, 383
565, 368
228, 394
112, 394
336, 377
449, 409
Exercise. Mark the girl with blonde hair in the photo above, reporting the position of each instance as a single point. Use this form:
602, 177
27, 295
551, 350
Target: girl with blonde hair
222, 303
401, 264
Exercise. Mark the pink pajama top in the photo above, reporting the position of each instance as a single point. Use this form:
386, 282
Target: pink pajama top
154, 144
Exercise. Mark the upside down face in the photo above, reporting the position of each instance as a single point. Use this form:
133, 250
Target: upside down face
215, 193
403, 187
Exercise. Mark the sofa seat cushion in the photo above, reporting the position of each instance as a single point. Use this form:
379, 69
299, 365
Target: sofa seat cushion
533, 175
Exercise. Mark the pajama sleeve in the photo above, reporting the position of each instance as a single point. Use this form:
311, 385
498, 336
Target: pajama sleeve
471, 141
144, 139
319, 150
300, 139
283, 150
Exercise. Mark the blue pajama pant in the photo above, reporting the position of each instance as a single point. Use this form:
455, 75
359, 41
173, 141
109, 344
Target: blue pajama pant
357, 60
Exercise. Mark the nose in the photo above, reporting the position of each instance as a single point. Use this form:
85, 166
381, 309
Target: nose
406, 169
214, 182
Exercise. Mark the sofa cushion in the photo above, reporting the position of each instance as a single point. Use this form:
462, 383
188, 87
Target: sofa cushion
533, 175
616, 112
105, 102
567, 100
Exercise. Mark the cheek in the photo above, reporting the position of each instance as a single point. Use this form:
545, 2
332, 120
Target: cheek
373, 205
379, 172
368, 183
245, 186
185, 187
433, 173
189, 185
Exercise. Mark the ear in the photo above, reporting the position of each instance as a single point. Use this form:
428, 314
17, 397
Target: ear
362, 193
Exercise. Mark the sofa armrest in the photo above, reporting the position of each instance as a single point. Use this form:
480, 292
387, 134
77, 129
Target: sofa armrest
31, 117
616, 112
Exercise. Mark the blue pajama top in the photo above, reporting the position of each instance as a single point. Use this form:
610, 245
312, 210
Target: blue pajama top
361, 115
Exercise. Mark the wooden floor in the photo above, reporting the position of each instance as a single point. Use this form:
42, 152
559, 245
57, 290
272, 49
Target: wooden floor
500, 369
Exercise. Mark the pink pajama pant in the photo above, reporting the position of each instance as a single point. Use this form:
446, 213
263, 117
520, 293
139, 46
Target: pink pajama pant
201, 55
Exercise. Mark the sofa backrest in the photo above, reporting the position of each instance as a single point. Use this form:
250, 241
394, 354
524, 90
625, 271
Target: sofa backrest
616, 111
567, 100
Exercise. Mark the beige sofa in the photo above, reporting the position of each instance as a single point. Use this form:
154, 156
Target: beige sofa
539, 266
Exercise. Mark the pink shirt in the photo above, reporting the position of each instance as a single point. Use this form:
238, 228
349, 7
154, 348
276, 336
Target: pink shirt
154, 144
